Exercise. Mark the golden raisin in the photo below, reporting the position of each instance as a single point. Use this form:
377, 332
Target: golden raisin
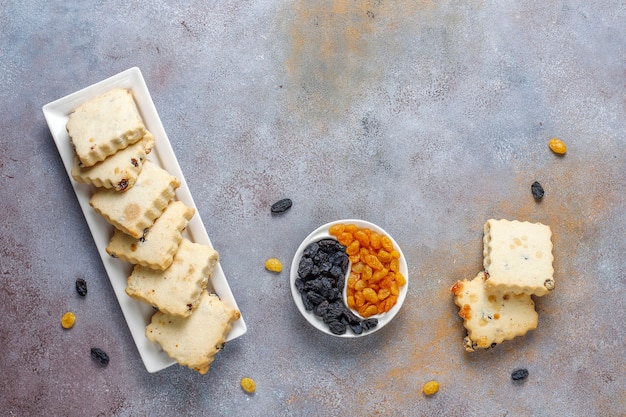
248, 385
370, 295
353, 248
274, 265
387, 243
68, 320
557, 146
345, 238
369, 311
375, 240
336, 229
431, 387
363, 238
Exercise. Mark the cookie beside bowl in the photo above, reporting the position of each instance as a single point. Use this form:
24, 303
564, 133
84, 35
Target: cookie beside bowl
330, 313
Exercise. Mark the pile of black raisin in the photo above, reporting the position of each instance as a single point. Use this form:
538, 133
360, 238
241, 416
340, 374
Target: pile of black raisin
321, 278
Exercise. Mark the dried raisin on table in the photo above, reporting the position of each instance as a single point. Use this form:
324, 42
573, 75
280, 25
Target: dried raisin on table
430, 388
248, 385
537, 190
100, 356
81, 287
519, 374
281, 206
557, 146
68, 320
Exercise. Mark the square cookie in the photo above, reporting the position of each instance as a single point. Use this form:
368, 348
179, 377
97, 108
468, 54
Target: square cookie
490, 318
518, 257
118, 171
156, 249
175, 291
103, 125
136, 209
195, 340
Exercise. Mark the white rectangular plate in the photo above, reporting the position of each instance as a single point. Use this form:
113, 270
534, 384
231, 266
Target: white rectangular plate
137, 314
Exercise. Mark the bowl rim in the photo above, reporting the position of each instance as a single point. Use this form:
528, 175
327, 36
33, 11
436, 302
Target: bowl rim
322, 232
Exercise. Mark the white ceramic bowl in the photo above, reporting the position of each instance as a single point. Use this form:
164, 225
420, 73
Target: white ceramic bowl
322, 233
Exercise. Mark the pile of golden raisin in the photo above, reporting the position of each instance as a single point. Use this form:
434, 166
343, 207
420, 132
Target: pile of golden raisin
375, 279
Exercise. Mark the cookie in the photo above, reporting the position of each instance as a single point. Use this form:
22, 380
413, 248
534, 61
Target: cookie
103, 125
518, 257
118, 171
489, 318
176, 290
156, 249
195, 340
136, 209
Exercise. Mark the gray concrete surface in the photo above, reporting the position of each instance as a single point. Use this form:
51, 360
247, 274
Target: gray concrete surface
427, 118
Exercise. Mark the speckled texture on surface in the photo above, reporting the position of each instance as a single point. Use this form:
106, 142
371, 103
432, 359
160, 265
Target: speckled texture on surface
427, 118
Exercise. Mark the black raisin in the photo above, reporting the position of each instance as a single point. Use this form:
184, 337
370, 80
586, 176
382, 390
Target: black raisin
369, 324
519, 374
123, 184
281, 206
337, 327
537, 190
310, 250
81, 287
314, 297
308, 305
321, 308
356, 328
352, 318
299, 284
305, 268
100, 356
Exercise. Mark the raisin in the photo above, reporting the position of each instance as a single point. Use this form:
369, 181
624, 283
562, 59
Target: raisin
537, 190
122, 185
305, 268
557, 146
281, 206
321, 308
369, 324
81, 287
68, 320
430, 388
134, 162
248, 385
308, 305
314, 297
519, 374
356, 328
274, 265
337, 327
100, 356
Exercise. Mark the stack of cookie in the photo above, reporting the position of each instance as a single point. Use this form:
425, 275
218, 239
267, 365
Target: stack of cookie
497, 305
137, 197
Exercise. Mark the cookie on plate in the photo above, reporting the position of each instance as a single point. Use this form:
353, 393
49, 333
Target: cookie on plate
156, 249
176, 290
195, 340
118, 171
136, 209
490, 318
103, 125
518, 257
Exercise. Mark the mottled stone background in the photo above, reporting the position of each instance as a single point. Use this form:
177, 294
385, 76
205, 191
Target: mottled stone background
427, 118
